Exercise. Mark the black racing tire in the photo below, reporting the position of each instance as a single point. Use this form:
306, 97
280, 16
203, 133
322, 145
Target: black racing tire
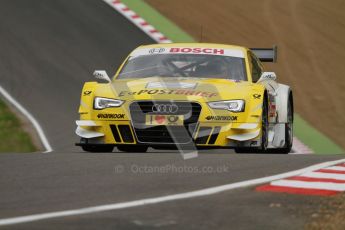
264, 125
133, 148
288, 131
264, 132
98, 148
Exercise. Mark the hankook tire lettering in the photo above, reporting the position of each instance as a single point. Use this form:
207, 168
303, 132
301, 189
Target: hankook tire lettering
222, 118
110, 116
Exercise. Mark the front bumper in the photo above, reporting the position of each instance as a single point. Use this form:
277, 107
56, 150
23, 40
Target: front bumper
201, 126
204, 134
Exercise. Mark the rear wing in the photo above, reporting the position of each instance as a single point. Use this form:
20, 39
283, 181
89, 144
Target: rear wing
266, 54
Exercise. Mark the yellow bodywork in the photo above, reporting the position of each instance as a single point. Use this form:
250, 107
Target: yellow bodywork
233, 127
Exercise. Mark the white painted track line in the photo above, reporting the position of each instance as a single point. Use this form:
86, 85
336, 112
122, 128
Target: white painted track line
324, 175
31, 118
310, 185
336, 168
174, 197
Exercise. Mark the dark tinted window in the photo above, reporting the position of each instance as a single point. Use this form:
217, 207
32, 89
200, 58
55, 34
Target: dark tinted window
184, 65
256, 70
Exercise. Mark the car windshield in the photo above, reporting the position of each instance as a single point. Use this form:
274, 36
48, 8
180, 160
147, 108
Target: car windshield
184, 65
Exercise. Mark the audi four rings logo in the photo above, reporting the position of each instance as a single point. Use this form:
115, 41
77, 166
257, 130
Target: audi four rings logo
156, 50
162, 108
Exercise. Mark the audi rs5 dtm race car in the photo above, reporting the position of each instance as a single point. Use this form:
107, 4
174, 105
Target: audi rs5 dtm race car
205, 95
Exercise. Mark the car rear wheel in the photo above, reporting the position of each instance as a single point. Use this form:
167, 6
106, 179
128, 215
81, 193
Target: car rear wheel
264, 126
132, 148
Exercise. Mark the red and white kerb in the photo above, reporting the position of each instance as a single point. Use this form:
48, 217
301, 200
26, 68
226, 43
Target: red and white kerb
323, 182
138, 21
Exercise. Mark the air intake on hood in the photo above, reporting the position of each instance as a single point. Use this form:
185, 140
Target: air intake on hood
171, 85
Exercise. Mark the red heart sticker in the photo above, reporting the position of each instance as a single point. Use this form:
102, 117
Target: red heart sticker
160, 119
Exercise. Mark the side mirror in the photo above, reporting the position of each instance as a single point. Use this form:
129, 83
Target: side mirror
102, 75
271, 76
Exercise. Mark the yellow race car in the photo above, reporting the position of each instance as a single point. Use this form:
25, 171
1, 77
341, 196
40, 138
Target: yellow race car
196, 95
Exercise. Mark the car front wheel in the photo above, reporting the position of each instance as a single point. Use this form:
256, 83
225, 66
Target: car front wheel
264, 132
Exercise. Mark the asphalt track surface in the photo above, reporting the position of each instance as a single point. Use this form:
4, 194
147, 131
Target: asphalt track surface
47, 50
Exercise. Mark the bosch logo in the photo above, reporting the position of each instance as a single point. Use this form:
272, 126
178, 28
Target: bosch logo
156, 50
163, 108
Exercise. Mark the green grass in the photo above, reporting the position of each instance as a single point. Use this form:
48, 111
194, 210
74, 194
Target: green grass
12, 136
314, 139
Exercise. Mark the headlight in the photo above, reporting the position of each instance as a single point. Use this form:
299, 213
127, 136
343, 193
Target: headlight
231, 105
103, 103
